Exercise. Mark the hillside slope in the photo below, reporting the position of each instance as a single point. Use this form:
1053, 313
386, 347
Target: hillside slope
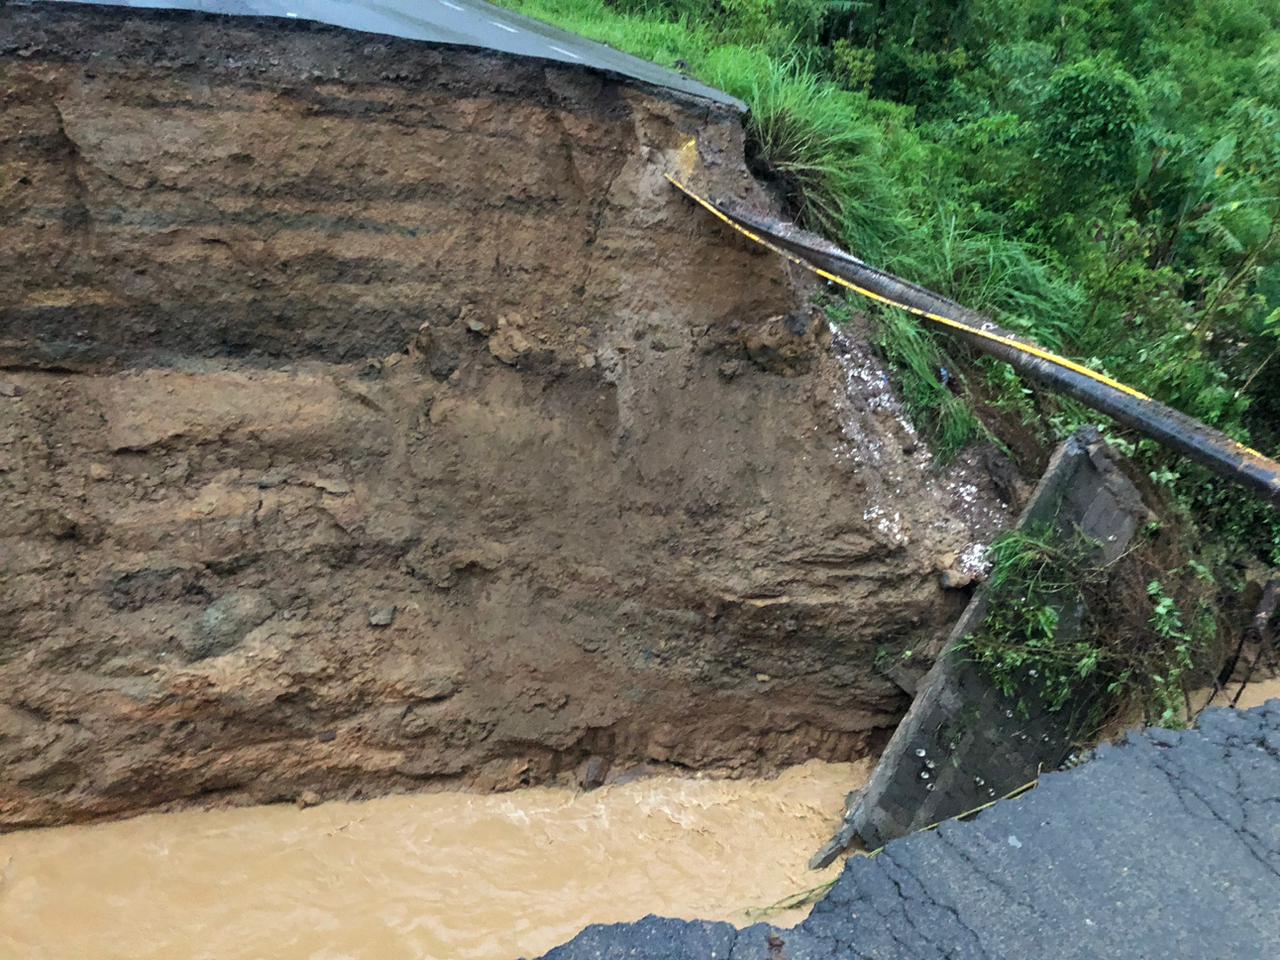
381, 419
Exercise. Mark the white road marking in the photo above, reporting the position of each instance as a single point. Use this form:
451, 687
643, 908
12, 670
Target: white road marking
451, 6
503, 26
567, 53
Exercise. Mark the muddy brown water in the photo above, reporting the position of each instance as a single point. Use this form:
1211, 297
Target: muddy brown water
1254, 694
448, 875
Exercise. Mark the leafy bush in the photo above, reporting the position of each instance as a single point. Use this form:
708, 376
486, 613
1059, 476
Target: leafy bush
853, 67
1087, 123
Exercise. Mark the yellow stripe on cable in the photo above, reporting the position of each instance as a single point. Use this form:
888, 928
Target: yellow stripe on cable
1029, 349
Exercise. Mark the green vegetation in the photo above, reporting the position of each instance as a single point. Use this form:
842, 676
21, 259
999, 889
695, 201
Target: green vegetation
1033, 580
1103, 176
1132, 643
917, 359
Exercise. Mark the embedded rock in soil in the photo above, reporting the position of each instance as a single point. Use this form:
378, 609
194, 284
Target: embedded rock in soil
257, 278
227, 621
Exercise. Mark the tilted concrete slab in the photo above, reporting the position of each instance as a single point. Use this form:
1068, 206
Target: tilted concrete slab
964, 742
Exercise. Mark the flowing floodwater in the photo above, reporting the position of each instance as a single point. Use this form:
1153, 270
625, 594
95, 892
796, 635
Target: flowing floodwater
447, 876
1253, 695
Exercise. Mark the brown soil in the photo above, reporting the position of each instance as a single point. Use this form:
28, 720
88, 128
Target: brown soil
381, 419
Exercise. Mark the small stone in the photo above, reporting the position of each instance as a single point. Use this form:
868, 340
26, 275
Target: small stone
59, 525
729, 369
953, 579
307, 798
338, 488
509, 345
779, 345
382, 616
227, 621
423, 339
477, 325
444, 363
98, 471
8, 389
415, 724
763, 677
591, 772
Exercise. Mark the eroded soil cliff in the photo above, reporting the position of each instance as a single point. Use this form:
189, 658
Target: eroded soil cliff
376, 417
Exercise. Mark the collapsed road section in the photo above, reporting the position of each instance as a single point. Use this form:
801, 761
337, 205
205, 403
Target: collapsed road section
375, 419
471, 23
1167, 845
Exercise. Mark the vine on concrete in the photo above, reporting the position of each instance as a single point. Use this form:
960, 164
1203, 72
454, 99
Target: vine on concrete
1131, 642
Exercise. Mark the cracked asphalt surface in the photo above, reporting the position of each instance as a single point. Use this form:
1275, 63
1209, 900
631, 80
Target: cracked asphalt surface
471, 23
1167, 846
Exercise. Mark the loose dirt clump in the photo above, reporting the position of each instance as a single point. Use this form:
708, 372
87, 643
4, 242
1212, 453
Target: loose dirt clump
381, 419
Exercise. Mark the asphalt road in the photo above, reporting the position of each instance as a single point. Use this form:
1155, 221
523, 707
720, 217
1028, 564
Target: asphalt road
1167, 846
471, 23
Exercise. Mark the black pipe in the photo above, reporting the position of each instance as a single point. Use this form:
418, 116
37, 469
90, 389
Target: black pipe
1175, 430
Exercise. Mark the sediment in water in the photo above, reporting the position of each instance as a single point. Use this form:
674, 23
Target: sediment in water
448, 875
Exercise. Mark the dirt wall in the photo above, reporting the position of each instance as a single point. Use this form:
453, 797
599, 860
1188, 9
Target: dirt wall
376, 417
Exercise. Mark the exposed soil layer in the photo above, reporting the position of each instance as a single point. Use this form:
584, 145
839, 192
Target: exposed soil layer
376, 417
